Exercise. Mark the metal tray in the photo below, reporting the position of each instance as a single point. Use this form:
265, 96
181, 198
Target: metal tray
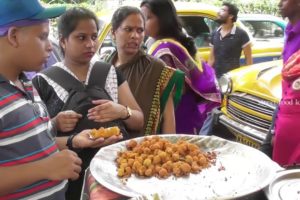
285, 186
247, 170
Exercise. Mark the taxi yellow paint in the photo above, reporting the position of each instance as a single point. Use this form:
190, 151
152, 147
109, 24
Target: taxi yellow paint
261, 80
249, 104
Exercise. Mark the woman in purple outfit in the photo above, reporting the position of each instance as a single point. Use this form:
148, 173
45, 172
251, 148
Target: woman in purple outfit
178, 51
286, 149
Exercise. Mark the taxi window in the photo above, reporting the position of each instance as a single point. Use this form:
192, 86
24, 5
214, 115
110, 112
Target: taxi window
107, 47
199, 28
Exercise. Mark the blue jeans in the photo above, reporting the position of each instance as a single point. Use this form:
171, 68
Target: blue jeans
207, 126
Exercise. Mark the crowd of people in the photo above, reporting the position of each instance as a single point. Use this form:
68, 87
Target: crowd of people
45, 123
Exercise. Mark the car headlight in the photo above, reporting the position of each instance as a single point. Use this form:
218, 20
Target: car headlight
225, 84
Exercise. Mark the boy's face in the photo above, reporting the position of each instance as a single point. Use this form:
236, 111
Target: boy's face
33, 46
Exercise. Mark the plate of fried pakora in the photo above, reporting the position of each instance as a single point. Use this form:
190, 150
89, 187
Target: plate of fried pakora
182, 167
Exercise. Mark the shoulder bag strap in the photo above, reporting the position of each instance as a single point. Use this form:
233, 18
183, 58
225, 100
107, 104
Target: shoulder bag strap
62, 78
99, 74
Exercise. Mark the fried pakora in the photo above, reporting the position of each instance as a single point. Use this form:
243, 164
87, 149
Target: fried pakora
155, 156
105, 132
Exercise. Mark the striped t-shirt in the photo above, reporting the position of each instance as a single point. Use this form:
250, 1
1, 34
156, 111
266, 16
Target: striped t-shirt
26, 136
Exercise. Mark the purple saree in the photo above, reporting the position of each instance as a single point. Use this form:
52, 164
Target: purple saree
201, 89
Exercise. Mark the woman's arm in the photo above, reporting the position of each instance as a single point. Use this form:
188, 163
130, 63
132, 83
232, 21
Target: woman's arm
126, 98
168, 122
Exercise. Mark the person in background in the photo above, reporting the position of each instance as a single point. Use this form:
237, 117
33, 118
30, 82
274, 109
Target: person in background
228, 41
178, 51
31, 163
288, 9
78, 32
151, 82
286, 148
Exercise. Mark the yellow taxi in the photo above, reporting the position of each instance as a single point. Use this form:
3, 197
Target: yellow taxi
251, 94
199, 22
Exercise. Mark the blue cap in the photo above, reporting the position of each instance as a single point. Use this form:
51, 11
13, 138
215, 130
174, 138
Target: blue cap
15, 10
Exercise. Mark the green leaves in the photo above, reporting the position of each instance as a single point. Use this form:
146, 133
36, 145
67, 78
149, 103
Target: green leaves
245, 6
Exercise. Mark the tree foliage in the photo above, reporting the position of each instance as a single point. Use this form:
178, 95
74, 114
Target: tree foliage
65, 1
245, 6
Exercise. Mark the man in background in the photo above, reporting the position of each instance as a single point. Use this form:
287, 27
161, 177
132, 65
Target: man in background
228, 41
289, 9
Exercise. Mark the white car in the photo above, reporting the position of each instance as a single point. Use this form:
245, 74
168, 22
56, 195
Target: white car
264, 27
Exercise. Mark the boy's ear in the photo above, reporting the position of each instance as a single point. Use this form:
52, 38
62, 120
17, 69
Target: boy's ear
12, 36
113, 37
62, 41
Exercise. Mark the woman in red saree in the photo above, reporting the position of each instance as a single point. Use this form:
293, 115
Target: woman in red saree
286, 150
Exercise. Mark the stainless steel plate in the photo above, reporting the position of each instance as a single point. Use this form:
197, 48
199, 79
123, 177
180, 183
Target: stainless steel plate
286, 186
247, 170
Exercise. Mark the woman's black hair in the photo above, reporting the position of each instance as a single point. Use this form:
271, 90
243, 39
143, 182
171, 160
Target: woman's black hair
170, 26
122, 13
68, 21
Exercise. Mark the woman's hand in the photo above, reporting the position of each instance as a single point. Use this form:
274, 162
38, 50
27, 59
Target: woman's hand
83, 140
106, 110
66, 121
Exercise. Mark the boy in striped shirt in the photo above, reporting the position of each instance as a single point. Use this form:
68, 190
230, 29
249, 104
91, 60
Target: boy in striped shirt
31, 165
